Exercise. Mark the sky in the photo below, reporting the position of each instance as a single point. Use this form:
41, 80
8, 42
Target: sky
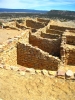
39, 4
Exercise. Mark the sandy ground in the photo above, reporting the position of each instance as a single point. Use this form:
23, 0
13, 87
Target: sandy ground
5, 34
64, 23
13, 86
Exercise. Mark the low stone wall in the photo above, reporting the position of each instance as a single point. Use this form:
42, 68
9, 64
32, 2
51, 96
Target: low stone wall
45, 21
70, 56
8, 51
20, 26
53, 31
61, 28
50, 36
67, 49
33, 57
70, 40
33, 24
72, 31
52, 46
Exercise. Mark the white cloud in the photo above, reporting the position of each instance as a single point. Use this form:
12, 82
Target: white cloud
34, 4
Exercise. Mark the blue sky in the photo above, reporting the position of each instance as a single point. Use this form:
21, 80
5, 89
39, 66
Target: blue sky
39, 4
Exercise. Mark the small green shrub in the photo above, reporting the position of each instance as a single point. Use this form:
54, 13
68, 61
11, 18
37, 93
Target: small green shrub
0, 23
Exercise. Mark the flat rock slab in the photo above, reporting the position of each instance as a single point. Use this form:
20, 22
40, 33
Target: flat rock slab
52, 73
22, 69
60, 73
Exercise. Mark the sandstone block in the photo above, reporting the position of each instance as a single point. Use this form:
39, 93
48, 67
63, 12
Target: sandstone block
30, 70
60, 73
44, 72
15, 68
22, 73
69, 73
52, 73
38, 71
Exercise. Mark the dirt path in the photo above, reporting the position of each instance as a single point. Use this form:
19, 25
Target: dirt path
5, 34
13, 86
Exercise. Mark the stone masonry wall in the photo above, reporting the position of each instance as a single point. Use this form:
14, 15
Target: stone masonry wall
43, 20
33, 24
33, 57
70, 56
52, 46
67, 49
70, 40
8, 53
61, 28
49, 36
53, 31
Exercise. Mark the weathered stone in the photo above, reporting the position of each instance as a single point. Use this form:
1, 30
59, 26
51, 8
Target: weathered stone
60, 72
22, 69
38, 71
52, 73
30, 70
14, 68
1, 66
8, 68
69, 73
22, 73
44, 72
1, 46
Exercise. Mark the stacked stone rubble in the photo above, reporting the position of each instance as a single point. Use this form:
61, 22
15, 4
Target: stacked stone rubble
62, 49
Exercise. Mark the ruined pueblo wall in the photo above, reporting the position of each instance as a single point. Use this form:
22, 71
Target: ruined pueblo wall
61, 28
50, 36
32, 57
67, 49
8, 52
53, 31
33, 24
20, 26
52, 46
43, 20
70, 56
70, 40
